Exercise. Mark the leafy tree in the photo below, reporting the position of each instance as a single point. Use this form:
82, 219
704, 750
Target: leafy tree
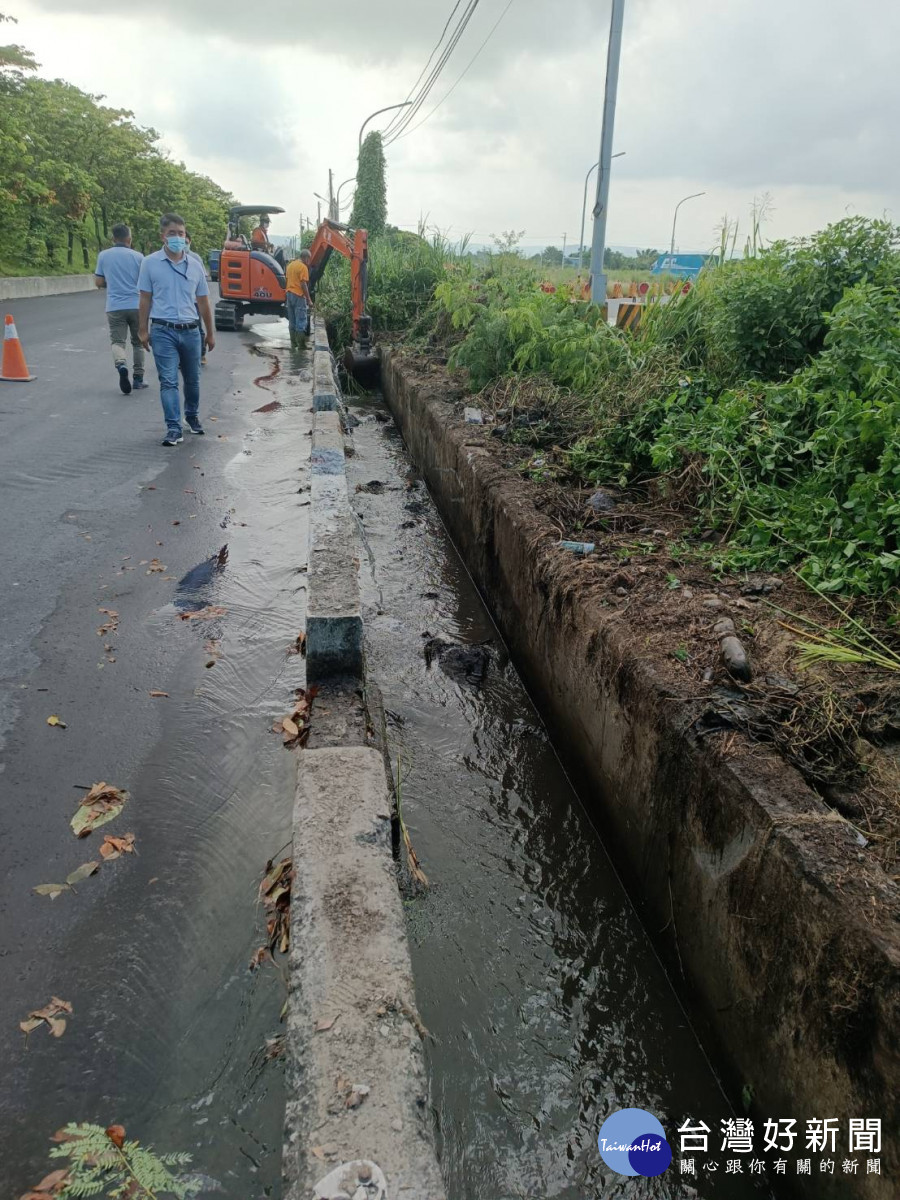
71, 167
507, 242
370, 201
552, 256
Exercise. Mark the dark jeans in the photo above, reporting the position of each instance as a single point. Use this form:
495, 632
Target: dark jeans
174, 348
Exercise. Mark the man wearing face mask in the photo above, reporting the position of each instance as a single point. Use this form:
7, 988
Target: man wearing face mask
173, 296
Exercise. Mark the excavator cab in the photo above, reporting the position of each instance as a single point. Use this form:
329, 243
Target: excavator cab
250, 281
253, 281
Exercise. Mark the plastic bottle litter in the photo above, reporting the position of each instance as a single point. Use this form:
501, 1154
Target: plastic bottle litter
579, 548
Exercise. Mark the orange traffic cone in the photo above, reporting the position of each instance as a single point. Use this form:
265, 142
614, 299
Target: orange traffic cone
14, 368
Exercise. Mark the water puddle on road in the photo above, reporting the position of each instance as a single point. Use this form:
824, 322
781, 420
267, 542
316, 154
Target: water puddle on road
548, 1006
169, 1035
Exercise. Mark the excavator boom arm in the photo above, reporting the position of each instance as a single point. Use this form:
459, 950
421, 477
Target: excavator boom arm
354, 245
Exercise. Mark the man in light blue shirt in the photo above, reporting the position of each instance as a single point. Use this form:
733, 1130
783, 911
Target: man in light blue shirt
117, 271
173, 296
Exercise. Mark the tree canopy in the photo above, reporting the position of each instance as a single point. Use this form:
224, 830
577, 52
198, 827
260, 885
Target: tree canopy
370, 201
72, 167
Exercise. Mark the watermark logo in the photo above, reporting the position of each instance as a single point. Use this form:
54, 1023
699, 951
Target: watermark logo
632, 1142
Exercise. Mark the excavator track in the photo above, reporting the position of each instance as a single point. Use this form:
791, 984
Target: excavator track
228, 316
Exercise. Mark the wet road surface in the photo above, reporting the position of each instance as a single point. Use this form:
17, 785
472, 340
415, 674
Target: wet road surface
547, 1003
169, 1026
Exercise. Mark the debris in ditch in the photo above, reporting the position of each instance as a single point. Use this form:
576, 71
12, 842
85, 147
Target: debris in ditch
55, 721
275, 893
155, 567
734, 656
469, 663
412, 859
49, 1014
473, 416
156, 694
297, 724
272, 406
357, 1094
298, 646
359, 1178
602, 501
579, 549
102, 803
374, 487
275, 1047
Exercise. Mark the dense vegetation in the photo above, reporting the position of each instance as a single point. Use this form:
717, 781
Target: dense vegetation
765, 402
370, 199
71, 167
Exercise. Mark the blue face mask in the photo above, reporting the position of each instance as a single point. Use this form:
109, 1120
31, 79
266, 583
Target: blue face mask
176, 244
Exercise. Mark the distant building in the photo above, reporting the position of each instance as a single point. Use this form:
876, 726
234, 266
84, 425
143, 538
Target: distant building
686, 265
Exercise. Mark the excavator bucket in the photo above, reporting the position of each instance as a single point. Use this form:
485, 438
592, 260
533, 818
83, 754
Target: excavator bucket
364, 366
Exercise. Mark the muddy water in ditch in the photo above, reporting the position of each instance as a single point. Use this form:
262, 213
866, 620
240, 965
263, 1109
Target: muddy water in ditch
548, 1006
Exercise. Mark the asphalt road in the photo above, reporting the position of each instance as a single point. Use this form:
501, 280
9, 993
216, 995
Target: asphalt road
152, 951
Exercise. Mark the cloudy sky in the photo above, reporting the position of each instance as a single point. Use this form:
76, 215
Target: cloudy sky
734, 98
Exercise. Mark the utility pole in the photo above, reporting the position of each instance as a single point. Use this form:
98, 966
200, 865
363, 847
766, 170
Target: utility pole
563, 263
319, 213
693, 196
332, 215
598, 244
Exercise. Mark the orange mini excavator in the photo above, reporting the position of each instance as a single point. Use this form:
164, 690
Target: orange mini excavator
253, 281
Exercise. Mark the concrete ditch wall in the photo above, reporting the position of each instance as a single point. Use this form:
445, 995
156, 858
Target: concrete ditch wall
26, 286
358, 1112
798, 986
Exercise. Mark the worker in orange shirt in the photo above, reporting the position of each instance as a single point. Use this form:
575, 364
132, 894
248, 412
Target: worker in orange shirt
259, 240
299, 301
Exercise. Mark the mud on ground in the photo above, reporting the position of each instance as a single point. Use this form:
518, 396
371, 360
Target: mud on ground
837, 724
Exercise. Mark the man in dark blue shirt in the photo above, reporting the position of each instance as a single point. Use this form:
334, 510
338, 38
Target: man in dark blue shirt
117, 270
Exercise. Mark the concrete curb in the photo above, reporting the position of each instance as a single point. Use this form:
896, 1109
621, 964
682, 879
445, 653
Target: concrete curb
355, 1074
27, 286
334, 632
357, 1114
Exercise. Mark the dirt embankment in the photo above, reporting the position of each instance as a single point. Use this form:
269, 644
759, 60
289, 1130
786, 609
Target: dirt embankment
756, 833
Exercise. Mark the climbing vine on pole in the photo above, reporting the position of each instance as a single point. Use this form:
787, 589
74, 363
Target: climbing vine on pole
370, 201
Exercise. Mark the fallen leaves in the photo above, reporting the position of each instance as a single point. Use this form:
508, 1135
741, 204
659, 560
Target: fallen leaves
110, 626
297, 724
275, 893
49, 1015
50, 1185
55, 721
116, 1134
158, 695
324, 1026
102, 803
155, 567
115, 847
298, 646
203, 614
81, 873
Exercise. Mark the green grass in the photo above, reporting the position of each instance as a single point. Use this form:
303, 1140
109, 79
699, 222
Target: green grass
18, 271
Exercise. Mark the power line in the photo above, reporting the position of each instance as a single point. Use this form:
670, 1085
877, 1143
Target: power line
453, 88
408, 114
396, 117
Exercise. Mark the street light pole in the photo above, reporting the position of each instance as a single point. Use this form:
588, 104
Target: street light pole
377, 113
598, 244
693, 196
584, 208
346, 181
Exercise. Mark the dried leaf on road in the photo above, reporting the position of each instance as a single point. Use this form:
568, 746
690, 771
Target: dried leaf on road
290, 728
324, 1026
110, 626
259, 957
50, 1014
115, 847
51, 889
203, 614
54, 720
51, 1182
102, 803
157, 695
156, 567
82, 872
116, 1134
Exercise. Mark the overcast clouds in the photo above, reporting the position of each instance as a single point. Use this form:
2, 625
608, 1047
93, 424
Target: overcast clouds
795, 97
